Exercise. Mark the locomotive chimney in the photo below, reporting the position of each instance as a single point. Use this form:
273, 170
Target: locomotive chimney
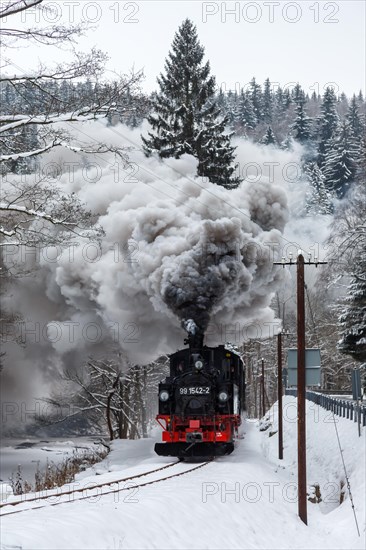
195, 336
195, 341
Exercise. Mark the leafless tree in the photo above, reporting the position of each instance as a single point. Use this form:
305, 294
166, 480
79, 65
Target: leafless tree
30, 210
113, 395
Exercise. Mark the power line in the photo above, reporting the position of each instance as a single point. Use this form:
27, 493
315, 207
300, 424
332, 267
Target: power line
346, 474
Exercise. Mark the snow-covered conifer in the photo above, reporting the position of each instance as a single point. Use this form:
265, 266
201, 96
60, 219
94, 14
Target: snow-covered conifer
318, 200
354, 119
267, 102
301, 128
352, 319
298, 95
341, 160
269, 138
257, 99
245, 114
185, 116
328, 123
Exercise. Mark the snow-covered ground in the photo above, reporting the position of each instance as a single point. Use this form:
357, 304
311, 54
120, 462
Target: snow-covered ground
246, 500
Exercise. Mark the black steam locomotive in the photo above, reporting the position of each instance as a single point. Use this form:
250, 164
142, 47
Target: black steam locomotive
200, 403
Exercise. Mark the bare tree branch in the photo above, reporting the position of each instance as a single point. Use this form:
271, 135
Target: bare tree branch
37, 213
11, 8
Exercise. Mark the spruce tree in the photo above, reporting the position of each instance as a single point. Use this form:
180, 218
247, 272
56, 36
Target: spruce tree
66, 91
245, 114
287, 99
353, 117
352, 319
232, 108
185, 116
298, 95
267, 102
279, 101
257, 99
301, 128
318, 199
341, 161
269, 137
327, 123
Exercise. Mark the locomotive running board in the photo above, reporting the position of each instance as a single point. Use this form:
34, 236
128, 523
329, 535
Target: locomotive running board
199, 450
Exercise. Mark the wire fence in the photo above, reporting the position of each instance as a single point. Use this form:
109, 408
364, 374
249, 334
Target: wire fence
340, 407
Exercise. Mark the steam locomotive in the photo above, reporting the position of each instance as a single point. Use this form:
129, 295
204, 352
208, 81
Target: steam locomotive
200, 403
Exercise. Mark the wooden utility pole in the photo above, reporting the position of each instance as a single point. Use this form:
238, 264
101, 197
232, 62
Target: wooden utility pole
262, 385
301, 382
301, 389
279, 396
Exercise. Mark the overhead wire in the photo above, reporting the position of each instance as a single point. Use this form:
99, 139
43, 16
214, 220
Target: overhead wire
346, 474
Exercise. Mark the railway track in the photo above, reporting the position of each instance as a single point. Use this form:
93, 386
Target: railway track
80, 493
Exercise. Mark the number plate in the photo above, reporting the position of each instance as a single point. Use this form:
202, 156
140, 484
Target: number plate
195, 390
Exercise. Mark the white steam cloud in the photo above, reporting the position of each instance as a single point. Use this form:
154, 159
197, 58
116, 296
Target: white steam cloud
178, 251
176, 248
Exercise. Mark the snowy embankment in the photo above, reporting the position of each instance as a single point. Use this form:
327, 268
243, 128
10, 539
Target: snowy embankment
246, 500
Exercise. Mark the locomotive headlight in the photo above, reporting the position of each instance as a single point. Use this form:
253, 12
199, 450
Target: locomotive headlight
164, 395
223, 396
198, 365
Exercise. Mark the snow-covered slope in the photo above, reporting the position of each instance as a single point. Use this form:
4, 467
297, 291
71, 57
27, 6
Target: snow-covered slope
246, 500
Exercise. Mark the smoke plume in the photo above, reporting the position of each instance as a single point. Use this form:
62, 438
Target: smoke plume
179, 254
